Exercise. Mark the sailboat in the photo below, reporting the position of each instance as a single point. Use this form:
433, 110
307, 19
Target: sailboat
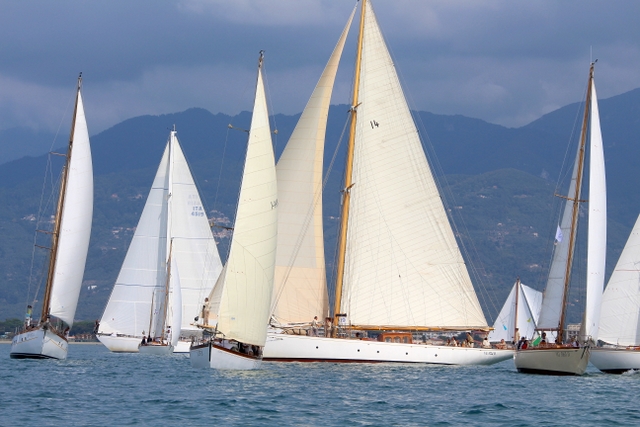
520, 312
400, 270
173, 221
165, 316
46, 338
561, 358
620, 313
237, 311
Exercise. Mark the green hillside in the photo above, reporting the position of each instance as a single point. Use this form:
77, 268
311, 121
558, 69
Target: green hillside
498, 185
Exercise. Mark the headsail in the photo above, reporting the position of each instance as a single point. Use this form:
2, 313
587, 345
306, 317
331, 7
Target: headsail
300, 288
247, 285
403, 267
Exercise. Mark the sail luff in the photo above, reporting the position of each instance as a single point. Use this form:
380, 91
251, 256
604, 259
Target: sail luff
348, 175
597, 227
247, 285
403, 266
300, 288
76, 214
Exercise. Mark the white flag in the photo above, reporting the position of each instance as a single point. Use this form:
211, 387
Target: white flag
558, 235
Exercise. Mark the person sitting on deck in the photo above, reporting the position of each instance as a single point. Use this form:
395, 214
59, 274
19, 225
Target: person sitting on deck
502, 344
486, 343
470, 341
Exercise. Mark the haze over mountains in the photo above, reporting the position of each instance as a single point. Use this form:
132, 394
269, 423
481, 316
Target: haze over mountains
497, 182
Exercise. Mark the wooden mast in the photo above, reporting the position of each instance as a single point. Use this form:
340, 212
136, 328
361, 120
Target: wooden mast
55, 236
576, 204
346, 193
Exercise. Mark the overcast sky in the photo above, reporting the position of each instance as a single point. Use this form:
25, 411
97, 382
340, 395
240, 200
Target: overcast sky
504, 61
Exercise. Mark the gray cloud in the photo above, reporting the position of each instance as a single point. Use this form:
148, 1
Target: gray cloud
506, 62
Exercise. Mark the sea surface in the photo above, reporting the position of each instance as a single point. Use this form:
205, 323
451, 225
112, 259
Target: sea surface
94, 387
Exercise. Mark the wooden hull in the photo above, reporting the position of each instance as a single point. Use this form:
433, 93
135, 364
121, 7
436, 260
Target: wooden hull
212, 356
39, 344
615, 361
156, 349
552, 361
300, 348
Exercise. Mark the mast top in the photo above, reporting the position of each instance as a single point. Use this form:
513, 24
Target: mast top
261, 59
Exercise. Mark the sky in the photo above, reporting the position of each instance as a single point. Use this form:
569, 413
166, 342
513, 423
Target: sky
504, 61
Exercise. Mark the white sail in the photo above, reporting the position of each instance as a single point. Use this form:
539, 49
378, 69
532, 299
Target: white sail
528, 309
247, 285
402, 266
300, 288
620, 313
597, 231
194, 247
143, 271
75, 223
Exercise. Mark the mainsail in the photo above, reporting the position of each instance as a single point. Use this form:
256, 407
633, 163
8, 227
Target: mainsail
173, 211
300, 288
75, 222
245, 287
620, 309
403, 267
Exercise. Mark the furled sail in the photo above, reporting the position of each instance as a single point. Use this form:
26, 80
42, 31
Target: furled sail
75, 223
247, 285
300, 288
620, 312
402, 266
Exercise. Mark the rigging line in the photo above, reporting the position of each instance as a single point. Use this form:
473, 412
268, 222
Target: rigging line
309, 218
555, 214
272, 117
48, 169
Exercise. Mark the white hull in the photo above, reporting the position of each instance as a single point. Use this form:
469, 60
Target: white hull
210, 356
130, 344
39, 344
120, 344
156, 350
299, 348
615, 361
552, 361
182, 347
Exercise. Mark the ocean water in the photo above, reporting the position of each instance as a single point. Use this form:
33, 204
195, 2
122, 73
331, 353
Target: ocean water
94, 387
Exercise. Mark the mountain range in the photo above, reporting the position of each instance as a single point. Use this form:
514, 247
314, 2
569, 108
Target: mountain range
497, 183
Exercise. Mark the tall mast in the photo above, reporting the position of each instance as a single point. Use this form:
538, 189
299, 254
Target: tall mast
166, 293
515, 320
55, 237
576, 204
346, 193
